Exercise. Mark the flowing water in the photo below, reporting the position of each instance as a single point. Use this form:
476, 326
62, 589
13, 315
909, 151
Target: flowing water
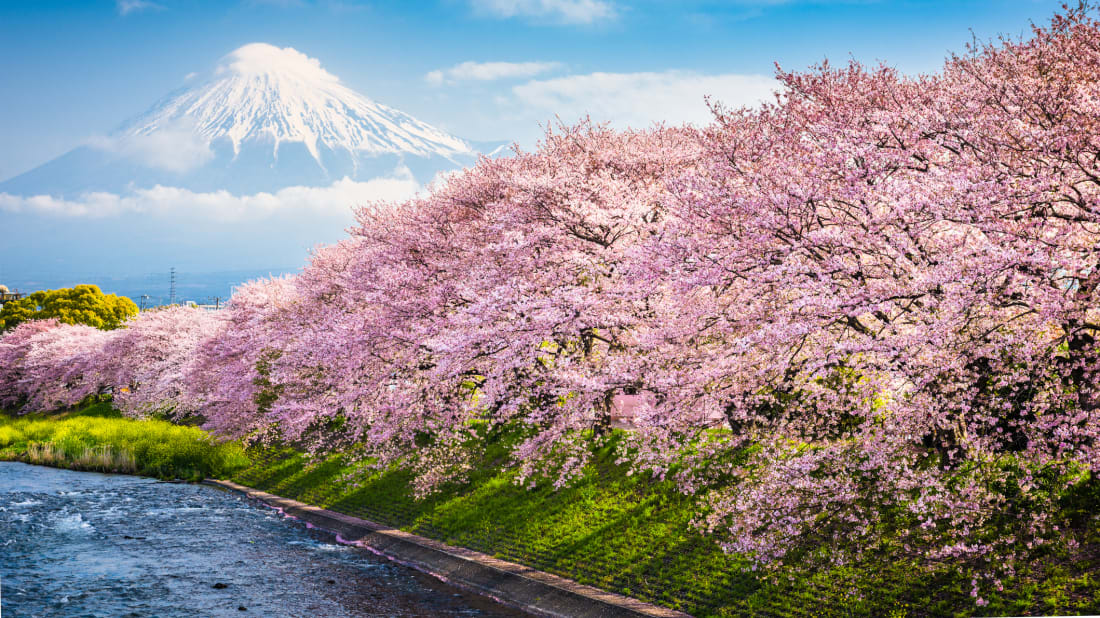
87, 544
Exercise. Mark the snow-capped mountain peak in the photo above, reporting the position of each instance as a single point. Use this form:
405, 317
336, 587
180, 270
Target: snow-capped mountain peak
278, 95
267, 118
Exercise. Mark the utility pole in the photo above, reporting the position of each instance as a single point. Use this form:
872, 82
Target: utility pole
144, 299
217, 303
172, 287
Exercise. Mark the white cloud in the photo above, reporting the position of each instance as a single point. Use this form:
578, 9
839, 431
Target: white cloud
641, 99
263, 58
336, 199
489, 71
125, 7
175, 148
565, 11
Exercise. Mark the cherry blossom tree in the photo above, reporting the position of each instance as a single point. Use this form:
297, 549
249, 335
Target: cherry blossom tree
859, 318
148, 362
495, 299
891, 285
14, 346
227, 381
49, 365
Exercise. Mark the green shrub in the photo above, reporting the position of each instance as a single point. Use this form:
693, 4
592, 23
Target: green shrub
82, 304
9, 436
99, 438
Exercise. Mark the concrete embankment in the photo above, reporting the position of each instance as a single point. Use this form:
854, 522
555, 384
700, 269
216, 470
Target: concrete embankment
533, 591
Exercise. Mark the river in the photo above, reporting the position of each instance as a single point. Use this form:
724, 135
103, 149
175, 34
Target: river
87, 544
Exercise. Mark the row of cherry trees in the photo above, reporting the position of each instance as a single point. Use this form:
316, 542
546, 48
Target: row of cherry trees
861, 315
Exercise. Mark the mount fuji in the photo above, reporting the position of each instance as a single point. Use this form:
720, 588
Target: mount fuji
244, 171
269, 118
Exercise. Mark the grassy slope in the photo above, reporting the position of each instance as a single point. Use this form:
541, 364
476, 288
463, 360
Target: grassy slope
632, 535
619, 532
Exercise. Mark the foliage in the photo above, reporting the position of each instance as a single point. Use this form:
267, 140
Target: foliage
858, 321
82, 304
98, 438
46, 365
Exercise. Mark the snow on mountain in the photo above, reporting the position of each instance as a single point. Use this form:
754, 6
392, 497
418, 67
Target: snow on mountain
248, 169
267, 119
264, 93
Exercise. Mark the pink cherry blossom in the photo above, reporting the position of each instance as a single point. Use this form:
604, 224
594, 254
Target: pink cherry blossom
863, 315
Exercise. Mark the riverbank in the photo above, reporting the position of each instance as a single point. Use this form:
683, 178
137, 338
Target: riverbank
623, 533
97, 438
535, 592
633, 535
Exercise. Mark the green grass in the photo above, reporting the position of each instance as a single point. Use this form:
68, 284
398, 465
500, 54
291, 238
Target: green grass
624, 533
633, 535
98, 438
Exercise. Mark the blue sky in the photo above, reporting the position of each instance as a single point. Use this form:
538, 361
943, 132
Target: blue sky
75, 70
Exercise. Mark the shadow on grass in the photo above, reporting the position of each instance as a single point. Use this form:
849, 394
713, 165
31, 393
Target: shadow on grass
629, 535
606, 531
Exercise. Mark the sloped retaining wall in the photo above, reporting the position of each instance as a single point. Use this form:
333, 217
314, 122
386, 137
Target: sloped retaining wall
533, 591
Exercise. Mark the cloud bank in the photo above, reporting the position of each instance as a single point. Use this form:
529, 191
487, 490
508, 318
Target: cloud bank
641, 99
489, 71
264, 58
337, 199
174, 148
